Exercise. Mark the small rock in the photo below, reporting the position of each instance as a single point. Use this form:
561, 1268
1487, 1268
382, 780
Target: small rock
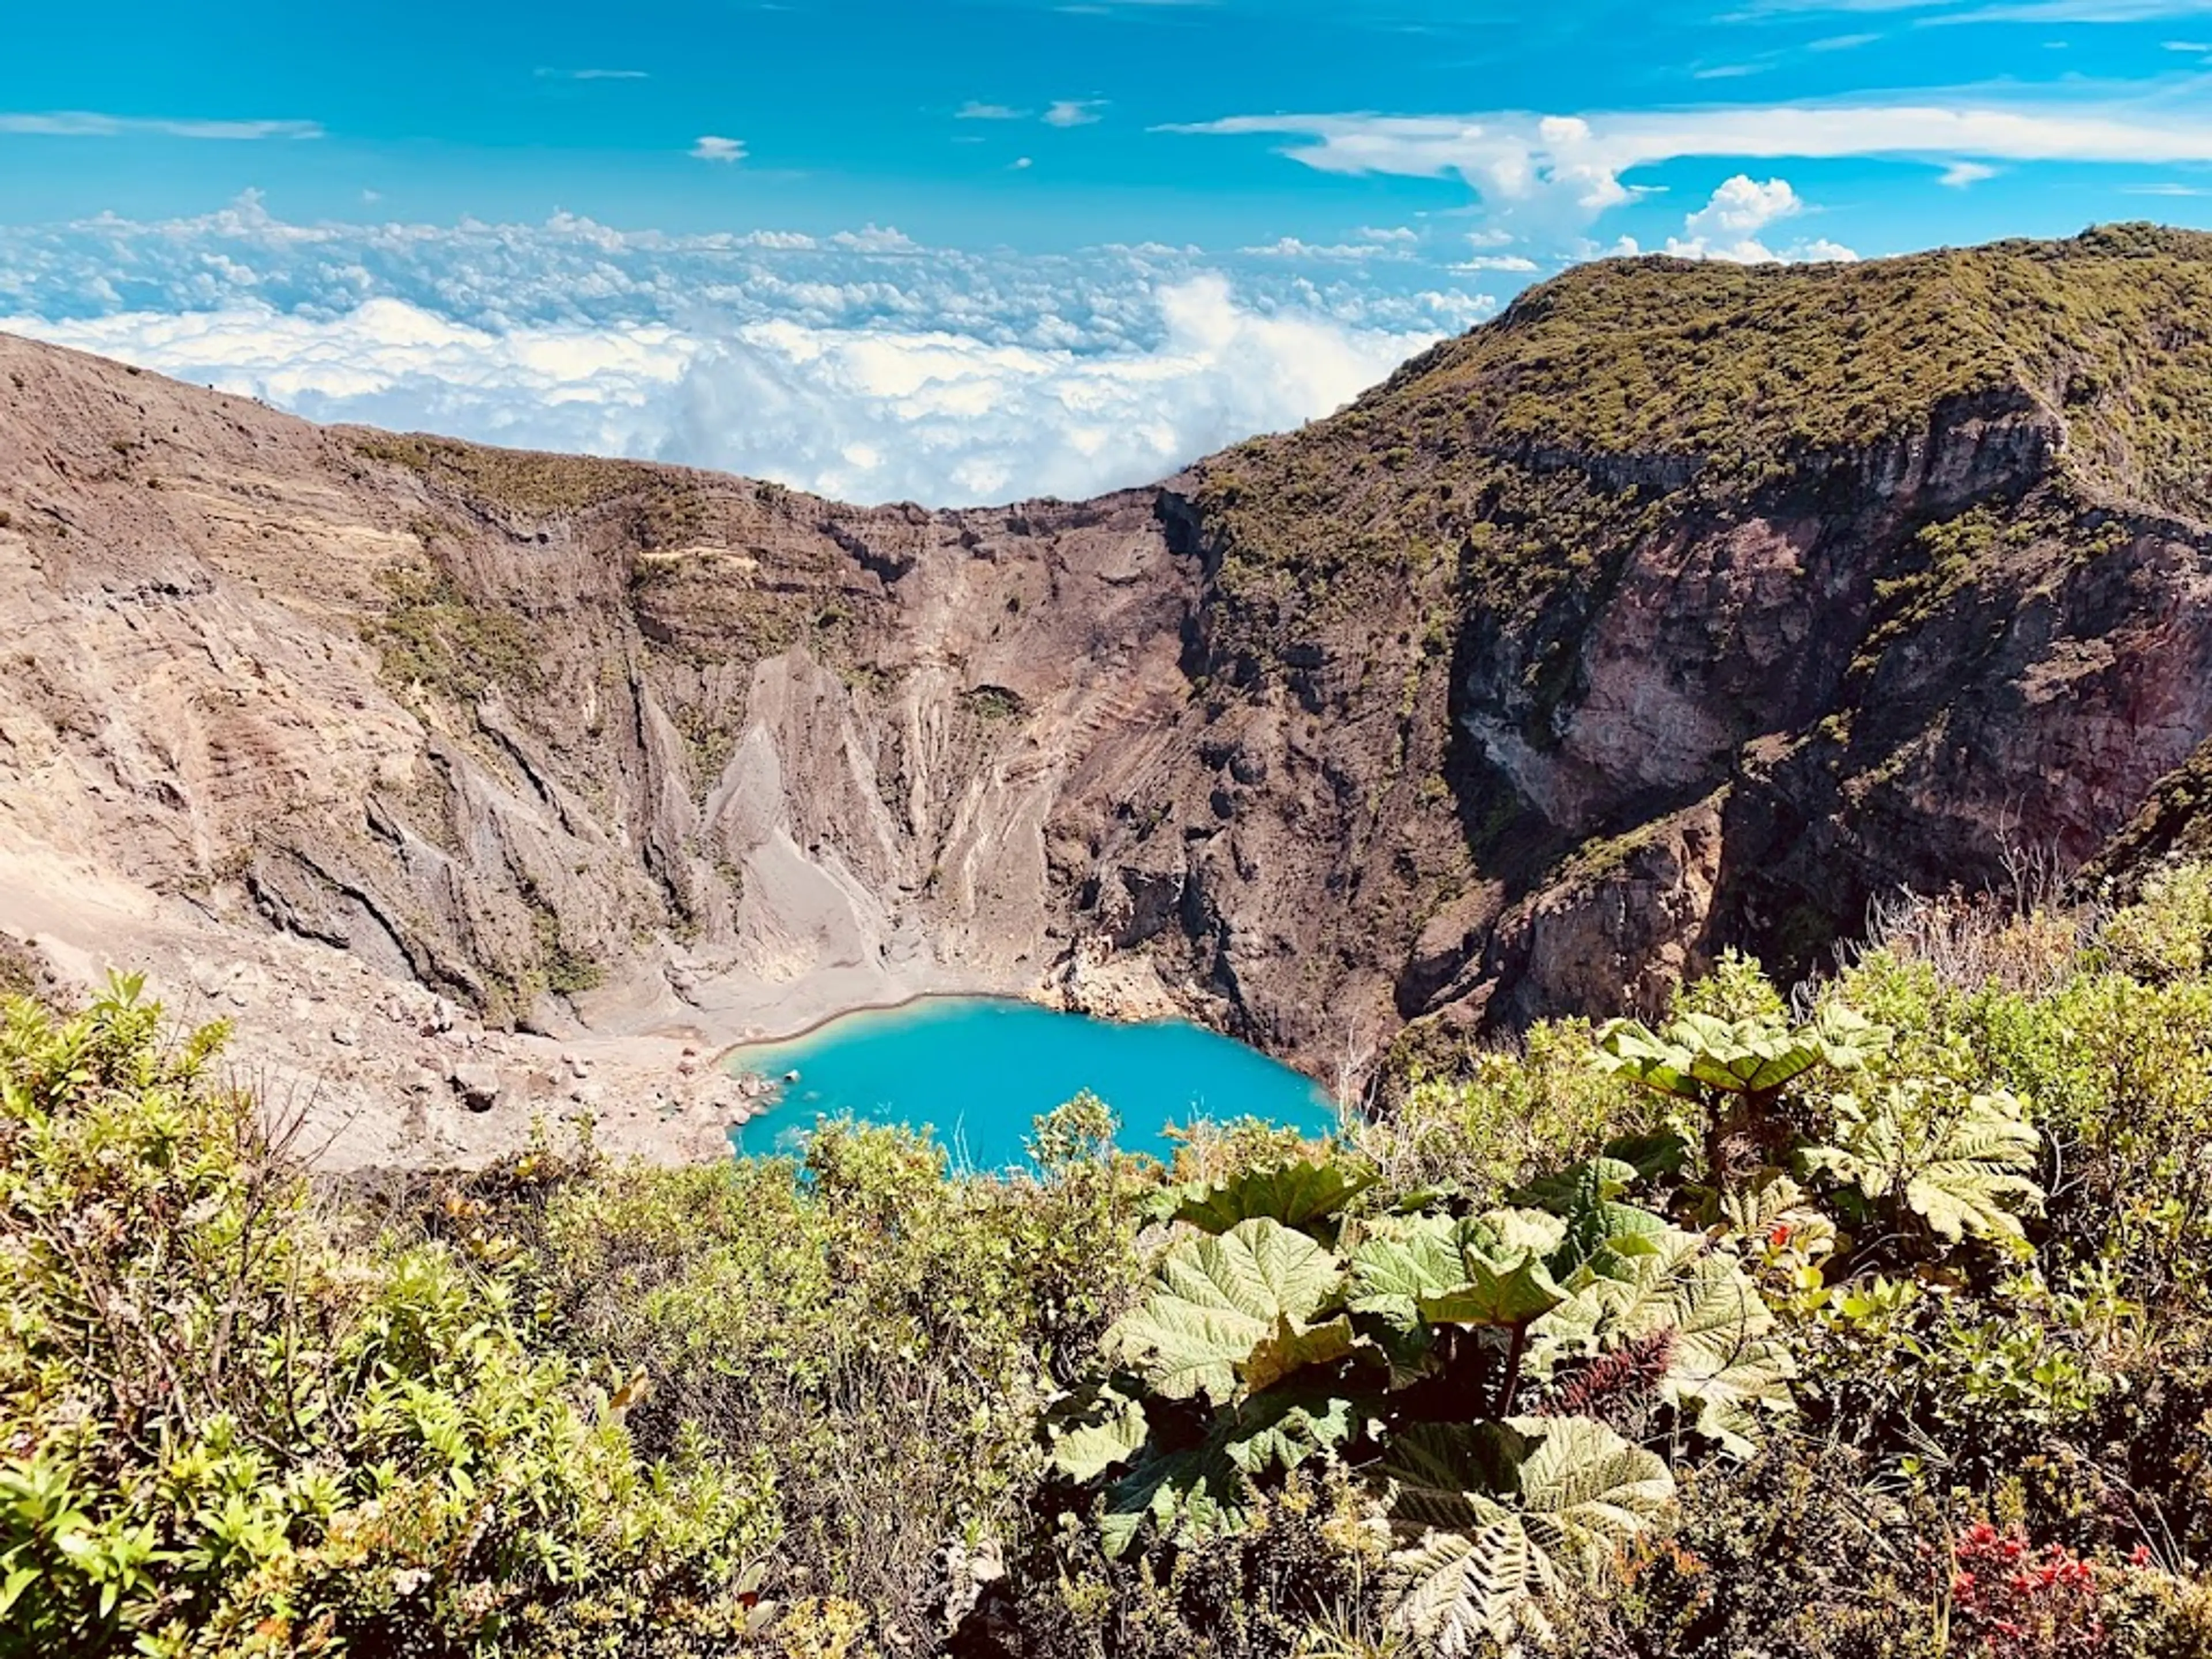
477, 1085
791, 1077
343, 1038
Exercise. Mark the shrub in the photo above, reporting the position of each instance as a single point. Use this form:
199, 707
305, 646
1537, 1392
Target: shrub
1866, 1323
1797, 1552
229, 1431
2011, 1601
1503, 1116
878, 1335
1279, 1333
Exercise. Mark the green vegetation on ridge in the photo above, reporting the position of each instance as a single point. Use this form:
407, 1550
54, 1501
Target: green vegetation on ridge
1749, 365
1525, 458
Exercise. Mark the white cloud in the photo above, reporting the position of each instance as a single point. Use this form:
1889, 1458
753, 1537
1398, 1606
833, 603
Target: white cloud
943, 418
1560, 170
972, 111
87, 124
1727, 227
390, 362
1398, 235
2075, 11
862, 364
1290, 247
1961, 175
1023, 164
871, 414
1742, 205
875, 239
1496, 262
712, 149
1073, 113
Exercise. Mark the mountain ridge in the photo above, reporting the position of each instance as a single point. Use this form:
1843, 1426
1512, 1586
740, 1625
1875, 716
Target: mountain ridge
1680, 607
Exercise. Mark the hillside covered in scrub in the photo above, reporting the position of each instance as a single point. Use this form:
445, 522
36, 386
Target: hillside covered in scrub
1867, 1323
1682, 608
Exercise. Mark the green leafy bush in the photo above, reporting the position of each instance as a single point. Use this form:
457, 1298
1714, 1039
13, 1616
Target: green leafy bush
229, 1430
1738, 1333
1455, 1358
879, 1335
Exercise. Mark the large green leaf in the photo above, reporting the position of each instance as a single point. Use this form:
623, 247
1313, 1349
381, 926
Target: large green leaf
1959, 1161
1450, 1475
1200, 1492
1476, 1590
1545, 1498
1606, 1242
1218, 1300
1282, 1428
1535, 1231
1306, 1195
1186, 1495
1291, 1347
1701, 1054
1506, 1294
1653, 1157
1580, 1185
1093, 1431
1598, 1231
1485, 1270
1395, 1262
1726, 1367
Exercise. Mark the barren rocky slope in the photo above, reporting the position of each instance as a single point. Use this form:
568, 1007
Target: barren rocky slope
1682, 606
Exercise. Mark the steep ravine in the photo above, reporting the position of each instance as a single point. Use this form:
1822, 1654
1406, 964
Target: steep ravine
1681, 607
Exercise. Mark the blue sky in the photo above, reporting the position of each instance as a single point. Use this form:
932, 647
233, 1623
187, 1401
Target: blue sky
961, 250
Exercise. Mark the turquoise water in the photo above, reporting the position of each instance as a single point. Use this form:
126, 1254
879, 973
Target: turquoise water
977, 1070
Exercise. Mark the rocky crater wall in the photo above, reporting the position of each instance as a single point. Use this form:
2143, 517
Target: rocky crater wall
1499, 695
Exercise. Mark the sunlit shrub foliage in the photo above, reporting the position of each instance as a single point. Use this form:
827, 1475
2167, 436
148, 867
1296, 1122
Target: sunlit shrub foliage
1873, 1319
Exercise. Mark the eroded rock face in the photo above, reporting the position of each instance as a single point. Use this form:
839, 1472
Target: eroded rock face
1474, 703
508, 746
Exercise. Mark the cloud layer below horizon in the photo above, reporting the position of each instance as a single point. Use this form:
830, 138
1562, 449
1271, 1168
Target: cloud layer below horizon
859, 366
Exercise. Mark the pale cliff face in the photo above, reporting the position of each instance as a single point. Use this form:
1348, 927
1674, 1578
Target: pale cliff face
1407, 714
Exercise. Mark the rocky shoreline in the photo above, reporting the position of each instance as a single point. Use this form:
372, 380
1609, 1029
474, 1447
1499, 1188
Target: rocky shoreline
383, 1071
